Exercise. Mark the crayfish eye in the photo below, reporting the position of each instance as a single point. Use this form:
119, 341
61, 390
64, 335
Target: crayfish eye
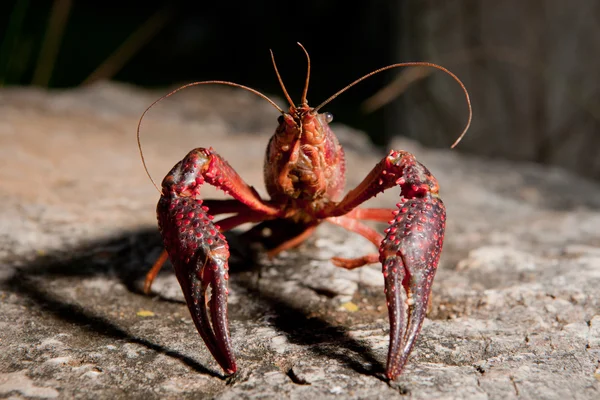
328, 117
280, 119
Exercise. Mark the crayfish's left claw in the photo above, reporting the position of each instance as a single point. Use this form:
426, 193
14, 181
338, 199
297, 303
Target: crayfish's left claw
409, 254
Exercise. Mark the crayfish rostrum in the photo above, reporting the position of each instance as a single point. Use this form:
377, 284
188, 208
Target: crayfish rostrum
304, 174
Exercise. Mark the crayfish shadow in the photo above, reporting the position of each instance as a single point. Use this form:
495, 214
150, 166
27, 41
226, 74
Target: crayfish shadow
300, 324
126, 258
41, 282
316, 334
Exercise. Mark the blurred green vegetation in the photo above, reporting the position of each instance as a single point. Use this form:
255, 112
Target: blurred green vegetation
157, 44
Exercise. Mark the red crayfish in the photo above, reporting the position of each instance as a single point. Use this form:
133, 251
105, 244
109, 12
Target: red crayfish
304, 174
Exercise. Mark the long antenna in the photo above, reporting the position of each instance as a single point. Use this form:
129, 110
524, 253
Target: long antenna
303, 100
237, 85
287, 96
411, 64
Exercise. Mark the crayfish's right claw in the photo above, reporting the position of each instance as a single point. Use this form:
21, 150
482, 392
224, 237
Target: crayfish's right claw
199, 254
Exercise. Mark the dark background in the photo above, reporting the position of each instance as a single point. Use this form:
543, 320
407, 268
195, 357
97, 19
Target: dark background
532, 67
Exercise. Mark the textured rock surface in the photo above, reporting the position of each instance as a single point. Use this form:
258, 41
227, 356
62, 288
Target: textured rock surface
515, 311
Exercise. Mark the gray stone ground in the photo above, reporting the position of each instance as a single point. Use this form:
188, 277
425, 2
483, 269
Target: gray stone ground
515, 310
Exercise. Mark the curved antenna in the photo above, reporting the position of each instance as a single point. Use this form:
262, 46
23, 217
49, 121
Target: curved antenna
287, 96
304, 93
237, 85
412, 64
